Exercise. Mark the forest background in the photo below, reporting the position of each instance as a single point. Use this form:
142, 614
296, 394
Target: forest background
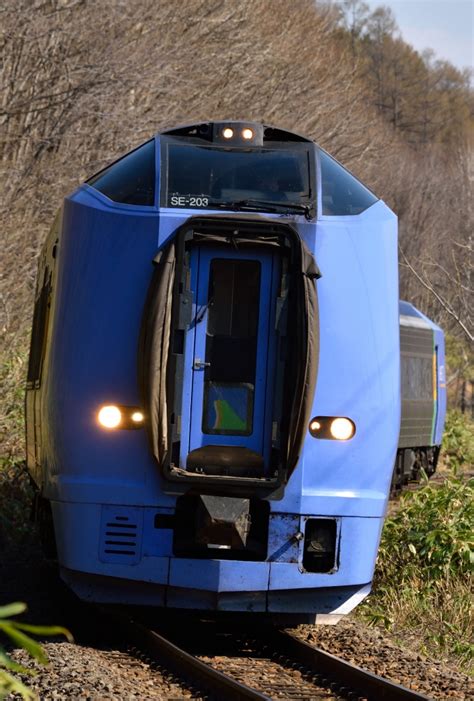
83, 82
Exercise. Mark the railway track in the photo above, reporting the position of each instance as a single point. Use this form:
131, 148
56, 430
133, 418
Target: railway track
264, 666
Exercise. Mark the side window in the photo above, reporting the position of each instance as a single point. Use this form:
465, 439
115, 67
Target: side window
342, 193
417, 378
131, 179
38, 333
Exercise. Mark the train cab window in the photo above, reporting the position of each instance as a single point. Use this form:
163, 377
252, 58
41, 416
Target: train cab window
231, 347
206, 177
342, 193
131, 179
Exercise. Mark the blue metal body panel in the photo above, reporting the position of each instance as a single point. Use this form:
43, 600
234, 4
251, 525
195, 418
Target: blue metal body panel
81, 528
359, 540
105, 269
441, 382
358, 374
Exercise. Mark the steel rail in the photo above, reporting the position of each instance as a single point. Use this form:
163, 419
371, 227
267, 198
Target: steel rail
346, 675
185, 664
334, 672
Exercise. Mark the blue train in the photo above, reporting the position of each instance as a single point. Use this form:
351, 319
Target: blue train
213, 398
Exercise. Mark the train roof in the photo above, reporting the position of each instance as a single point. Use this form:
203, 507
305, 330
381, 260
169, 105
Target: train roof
213, 131
411, 316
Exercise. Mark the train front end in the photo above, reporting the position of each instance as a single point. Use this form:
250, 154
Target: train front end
213, 402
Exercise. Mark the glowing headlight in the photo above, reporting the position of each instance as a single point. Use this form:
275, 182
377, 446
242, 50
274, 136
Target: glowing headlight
247, 134
110, 416
228, 133
119, 416
337, 428
342, 429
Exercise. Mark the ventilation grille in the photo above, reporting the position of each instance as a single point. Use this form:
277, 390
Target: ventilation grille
121, 535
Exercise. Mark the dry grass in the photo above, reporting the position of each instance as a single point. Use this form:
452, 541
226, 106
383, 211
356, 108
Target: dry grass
437, 622
14, 362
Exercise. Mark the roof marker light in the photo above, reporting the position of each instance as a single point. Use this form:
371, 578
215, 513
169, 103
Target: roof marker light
228, 133
247, 134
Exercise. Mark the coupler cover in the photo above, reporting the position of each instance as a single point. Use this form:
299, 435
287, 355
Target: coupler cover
222, 521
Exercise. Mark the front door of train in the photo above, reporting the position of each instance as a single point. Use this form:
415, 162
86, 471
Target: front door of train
233, 341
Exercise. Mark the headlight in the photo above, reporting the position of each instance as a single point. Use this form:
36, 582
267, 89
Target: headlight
342, 429
338, 428
112, 416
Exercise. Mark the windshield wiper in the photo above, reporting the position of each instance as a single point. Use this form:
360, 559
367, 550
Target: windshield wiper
264, 206
295, 207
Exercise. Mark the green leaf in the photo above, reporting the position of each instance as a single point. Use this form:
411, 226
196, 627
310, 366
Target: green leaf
8, 663
12, 609
45, 630
24, 641
10, 685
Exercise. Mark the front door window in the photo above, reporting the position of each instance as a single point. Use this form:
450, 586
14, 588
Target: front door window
231, 347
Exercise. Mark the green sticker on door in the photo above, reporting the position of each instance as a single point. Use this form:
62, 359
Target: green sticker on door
228, 408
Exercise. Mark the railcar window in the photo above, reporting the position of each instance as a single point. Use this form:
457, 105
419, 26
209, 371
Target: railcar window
130, 180
417, 378
231, 347
200, 176
38, 333
342, 193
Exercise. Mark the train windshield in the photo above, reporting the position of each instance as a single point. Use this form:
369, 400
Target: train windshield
210, 177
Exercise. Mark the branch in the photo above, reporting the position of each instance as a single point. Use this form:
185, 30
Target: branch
443, 303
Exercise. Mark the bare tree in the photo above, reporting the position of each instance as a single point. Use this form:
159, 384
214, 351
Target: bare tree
81, 83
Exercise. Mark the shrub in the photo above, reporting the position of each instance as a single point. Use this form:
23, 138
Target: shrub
16, 496
425, 562
13, 364
458, 441
431, 535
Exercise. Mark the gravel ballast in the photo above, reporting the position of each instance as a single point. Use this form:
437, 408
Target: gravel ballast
380, 653
76, 672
